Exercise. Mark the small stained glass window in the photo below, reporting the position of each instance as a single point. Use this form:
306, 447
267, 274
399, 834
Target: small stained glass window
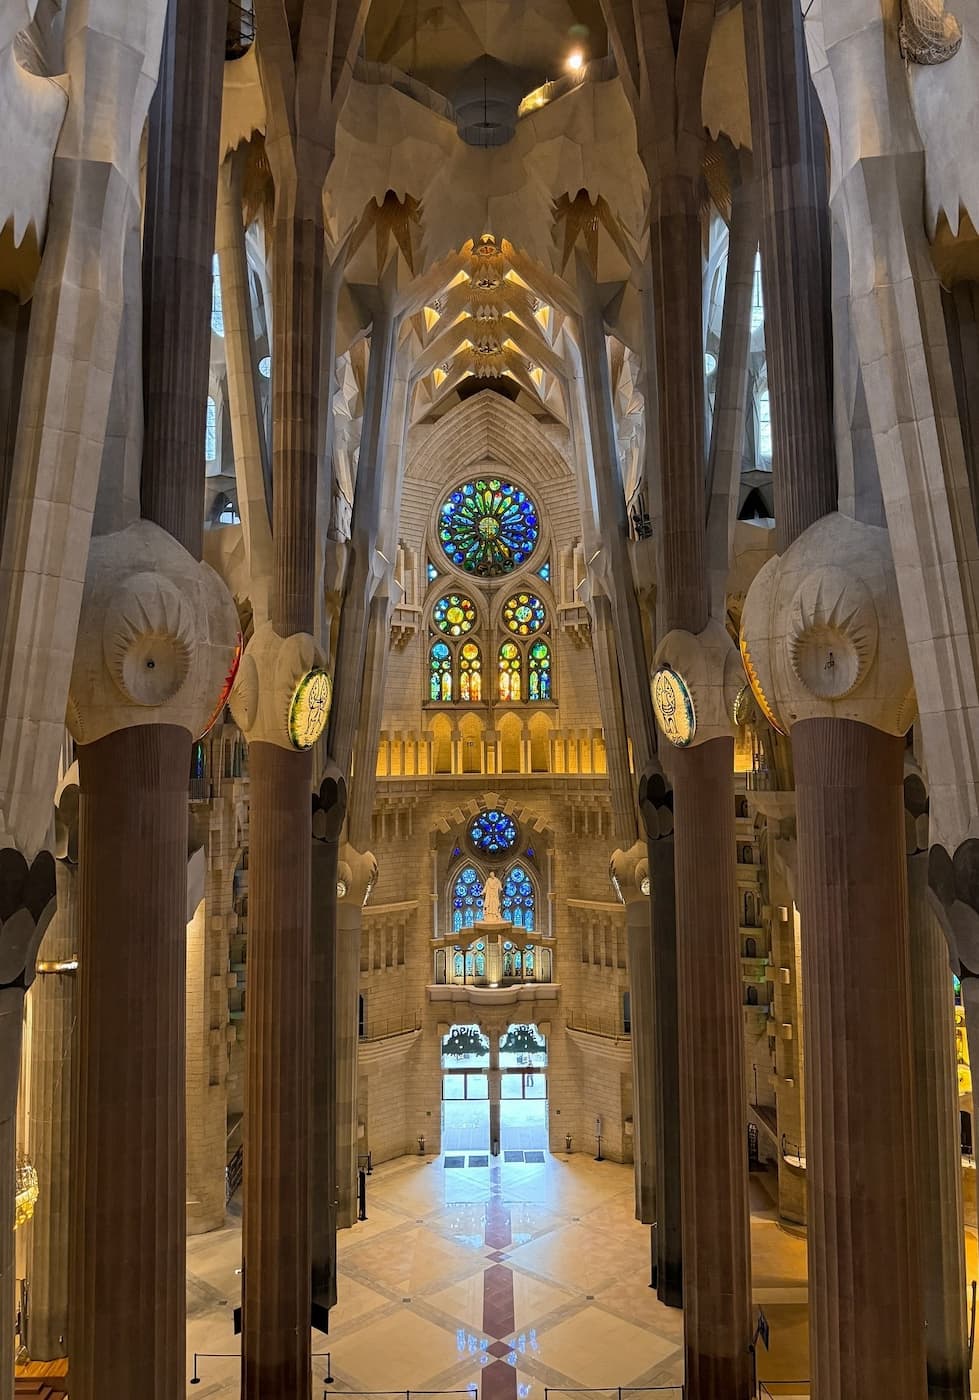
523, 614
493, 831
488, 527
517, 900
211, 432
544, 571
470, 673
440, 672
454, 615
265, 366
539, 672
217, 308
433, 573
509, 672
467, 899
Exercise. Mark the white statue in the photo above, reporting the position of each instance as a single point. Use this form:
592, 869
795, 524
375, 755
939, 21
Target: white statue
491, 900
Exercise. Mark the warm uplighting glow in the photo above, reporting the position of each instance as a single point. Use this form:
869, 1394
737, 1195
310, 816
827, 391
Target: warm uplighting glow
575, 61
26, 1191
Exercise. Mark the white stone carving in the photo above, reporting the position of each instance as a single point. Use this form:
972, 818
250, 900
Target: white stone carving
629, 873
271, 671
157, 637
491, 899
356, 874
709, 666
823, 642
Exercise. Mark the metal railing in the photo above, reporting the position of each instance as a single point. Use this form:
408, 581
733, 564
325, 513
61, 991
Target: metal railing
621, 1392
391, 1026
233, 1174
471, 1392
608, 1027
196, 1378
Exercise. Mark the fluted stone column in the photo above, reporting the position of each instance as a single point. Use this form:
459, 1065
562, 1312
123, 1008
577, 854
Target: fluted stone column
656, 810
936, 1122
53, 1009
128, 1157
329, 808
357, 872
630, 871
862, 1207
26, 910
276, 1219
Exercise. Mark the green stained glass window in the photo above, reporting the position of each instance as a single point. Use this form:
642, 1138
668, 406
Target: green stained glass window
454, 615
539, 672
523, 614
488, 527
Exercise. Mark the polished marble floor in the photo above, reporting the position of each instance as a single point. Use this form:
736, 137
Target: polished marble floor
513, 1277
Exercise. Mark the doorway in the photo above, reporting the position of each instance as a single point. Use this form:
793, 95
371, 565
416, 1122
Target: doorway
465, 1091
523, 1092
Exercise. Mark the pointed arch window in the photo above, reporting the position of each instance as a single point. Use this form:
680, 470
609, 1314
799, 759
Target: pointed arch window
217, 307
467, 898
539, 671
509, 672
440, 672
470, 673
211, 431
517, 902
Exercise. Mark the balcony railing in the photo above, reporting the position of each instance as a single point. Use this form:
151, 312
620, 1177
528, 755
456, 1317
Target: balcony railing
608, 1027
390, 1026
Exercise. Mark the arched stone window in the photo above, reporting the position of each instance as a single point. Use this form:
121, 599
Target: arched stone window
518, 900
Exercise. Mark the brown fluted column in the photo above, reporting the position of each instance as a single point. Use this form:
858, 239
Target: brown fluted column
128, 1151
790, 152
328, 813
178, 246
643, 1025
866, 1308
938, 1161
53, 1002
713, 1157
276, 1224
349, 923
656, 808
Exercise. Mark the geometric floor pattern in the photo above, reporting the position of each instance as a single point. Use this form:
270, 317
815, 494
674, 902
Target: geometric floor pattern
511, 1278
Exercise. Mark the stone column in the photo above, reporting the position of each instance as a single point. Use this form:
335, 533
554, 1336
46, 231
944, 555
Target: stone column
53, 1008
630, 871
825, 651
328, 813
862, 1211
656, 810
938, 1160
697, 664
356, 875
494, 1089
28, 906
128, 1220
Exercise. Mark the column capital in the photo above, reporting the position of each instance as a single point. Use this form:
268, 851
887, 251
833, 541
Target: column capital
158, 638
283, 693
695, 682
356, 875
825, 641
629, 873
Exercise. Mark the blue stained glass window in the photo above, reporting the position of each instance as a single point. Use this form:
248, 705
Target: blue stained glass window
265, 366
467, 899
488, 527
517, 901
539, 672
544, 571
433, 573
440, 672
493, 832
